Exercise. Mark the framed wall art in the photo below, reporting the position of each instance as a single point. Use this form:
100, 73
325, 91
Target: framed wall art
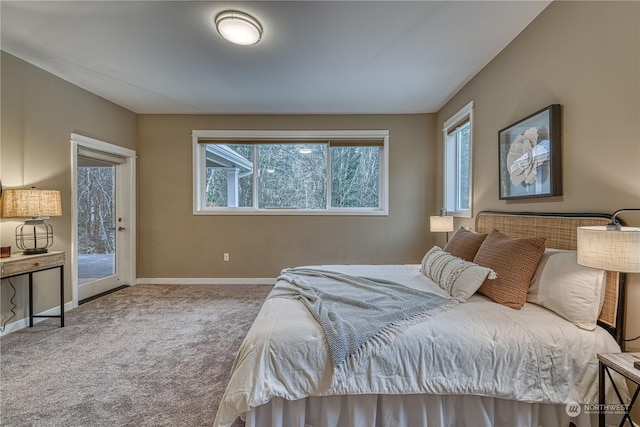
530, 156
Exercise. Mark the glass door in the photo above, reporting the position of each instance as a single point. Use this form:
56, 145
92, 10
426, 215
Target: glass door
103, 250
97, 223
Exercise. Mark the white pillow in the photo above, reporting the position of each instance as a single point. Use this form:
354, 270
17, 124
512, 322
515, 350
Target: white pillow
458, 277
569, 289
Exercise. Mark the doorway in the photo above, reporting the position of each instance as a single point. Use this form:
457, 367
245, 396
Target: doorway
103, 255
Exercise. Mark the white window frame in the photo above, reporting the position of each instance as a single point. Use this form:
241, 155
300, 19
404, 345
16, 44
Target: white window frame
257, 135
451, 190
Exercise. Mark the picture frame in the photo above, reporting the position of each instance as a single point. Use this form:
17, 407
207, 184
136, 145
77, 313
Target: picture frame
530, 156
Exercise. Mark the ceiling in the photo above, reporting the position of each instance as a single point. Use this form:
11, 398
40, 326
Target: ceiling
323, 57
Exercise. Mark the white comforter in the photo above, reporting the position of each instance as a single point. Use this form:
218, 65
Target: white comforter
478, 347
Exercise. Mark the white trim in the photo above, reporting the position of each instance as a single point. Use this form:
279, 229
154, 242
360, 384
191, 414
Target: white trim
96, 144
127, 264
24, 323
286, 212
198, 163
206, 281
289, 134
466, 111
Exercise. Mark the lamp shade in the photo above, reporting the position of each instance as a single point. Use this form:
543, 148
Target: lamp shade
31, 203
441, 224
612, 250
238, 27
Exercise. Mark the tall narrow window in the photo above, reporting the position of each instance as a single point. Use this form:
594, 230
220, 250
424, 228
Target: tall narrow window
458, 138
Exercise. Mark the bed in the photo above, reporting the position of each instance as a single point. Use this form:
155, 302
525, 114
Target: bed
471, 361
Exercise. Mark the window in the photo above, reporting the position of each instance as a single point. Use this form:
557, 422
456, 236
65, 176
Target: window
458, 141
290, 172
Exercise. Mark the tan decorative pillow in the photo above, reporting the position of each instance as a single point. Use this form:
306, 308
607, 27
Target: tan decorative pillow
515, 261
464, 244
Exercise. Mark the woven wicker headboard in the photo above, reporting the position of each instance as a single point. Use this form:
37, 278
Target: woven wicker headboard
560, 229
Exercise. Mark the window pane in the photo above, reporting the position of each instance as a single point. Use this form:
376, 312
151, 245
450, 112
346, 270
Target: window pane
229, 175
463, 168
96, 221
292, 176
355, 177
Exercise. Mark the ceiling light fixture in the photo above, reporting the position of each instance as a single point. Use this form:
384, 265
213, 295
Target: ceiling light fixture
238, 27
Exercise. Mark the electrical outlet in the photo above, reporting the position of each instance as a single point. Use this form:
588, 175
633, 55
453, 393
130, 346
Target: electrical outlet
226, 256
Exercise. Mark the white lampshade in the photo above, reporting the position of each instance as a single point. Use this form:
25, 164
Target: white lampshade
238, 27
441, 224
612, 250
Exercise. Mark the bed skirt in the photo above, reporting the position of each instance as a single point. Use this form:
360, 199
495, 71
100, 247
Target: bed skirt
414, 410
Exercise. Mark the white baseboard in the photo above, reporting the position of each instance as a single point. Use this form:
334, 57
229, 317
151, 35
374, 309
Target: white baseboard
206, 281
24, 323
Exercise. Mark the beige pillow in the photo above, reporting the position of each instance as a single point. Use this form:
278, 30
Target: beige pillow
464, 244
515, 261
569, 289
458, 277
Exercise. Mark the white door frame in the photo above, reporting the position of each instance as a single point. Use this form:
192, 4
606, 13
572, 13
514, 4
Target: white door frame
127, 266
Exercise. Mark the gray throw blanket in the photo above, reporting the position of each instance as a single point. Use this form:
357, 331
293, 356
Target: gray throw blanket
359, 316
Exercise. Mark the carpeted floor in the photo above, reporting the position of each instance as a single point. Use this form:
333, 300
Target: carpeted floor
148, 355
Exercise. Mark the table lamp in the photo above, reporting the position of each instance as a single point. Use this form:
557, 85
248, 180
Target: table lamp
611, 247
34, 236
441, 223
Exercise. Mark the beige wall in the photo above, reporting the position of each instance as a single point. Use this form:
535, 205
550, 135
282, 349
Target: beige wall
39, 112
585, 56
173, 243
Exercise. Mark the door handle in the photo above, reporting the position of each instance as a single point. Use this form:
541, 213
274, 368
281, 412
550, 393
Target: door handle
121, 228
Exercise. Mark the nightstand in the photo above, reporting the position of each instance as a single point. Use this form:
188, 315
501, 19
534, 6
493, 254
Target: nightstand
18, 265
621, 363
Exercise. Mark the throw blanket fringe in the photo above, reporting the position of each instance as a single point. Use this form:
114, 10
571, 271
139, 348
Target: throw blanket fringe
359, 316
378, 342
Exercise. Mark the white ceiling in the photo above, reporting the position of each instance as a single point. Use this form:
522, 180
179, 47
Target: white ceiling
335, 57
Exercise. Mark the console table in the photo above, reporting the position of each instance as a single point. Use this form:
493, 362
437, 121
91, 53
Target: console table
19, 264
